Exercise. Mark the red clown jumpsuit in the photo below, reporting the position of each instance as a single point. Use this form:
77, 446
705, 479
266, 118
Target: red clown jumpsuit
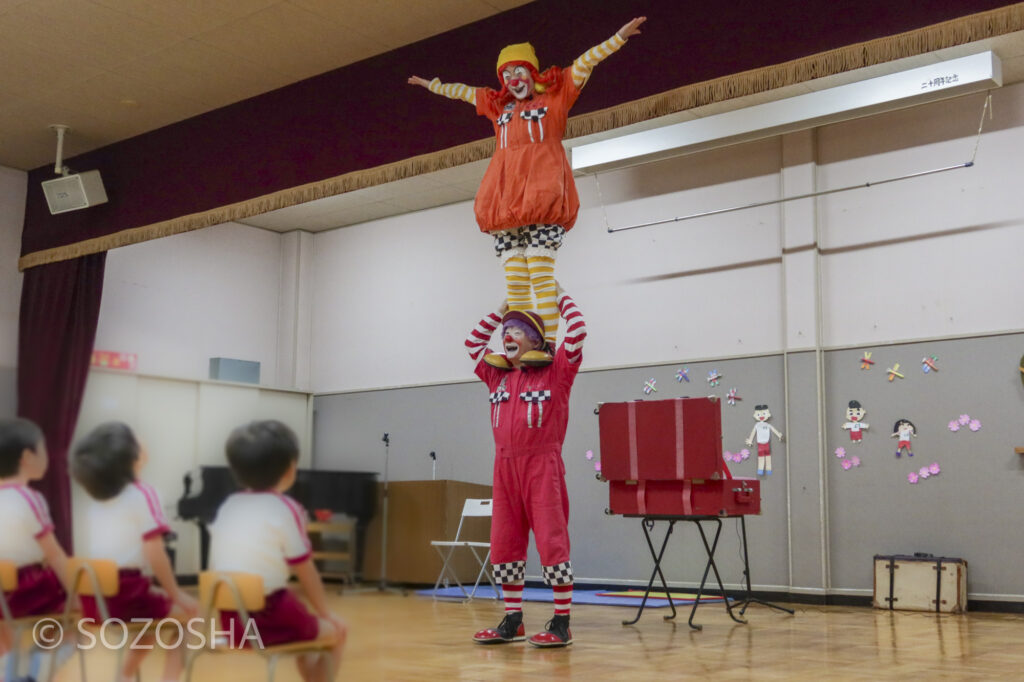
529, 415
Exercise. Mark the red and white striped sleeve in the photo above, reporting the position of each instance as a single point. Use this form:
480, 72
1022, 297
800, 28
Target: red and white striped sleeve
41, 523
480, 336
575, 328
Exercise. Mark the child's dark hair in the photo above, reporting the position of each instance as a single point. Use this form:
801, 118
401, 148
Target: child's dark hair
896, 426
104, 461
16, 436
855, 404
261, 452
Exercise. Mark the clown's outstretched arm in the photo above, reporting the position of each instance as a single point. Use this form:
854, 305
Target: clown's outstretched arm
449, 90
586, 62
575, 327
480, 335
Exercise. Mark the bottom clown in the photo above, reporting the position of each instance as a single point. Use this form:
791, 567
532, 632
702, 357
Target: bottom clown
529, 416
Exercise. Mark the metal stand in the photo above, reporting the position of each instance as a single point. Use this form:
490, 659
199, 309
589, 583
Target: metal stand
647, 523
383, 585
748, 599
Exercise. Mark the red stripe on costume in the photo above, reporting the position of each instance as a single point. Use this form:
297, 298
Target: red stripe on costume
47, 529
294, 561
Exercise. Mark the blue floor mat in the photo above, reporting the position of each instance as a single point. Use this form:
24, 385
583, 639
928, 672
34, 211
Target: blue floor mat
544, 594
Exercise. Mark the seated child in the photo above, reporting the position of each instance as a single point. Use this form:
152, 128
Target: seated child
127, 525
262, 531
26, 531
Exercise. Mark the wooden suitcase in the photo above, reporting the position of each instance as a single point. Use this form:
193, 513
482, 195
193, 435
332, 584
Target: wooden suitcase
727, 497
661, 440
920, 583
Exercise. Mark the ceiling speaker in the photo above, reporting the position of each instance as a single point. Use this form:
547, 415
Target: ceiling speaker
73, 192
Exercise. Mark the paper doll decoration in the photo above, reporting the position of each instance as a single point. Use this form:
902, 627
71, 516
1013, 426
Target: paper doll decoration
763, 432
904, 429
731, 396
866, 361
854, 421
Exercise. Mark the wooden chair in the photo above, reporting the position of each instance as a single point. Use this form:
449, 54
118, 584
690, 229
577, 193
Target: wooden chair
18, 626
243, 593
446, 548
99, 579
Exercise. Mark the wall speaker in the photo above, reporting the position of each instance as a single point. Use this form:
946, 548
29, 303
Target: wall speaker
74, 192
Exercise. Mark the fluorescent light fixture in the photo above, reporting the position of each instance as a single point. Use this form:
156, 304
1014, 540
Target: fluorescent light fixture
941, 80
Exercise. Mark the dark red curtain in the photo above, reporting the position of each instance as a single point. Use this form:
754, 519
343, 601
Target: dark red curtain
60, 305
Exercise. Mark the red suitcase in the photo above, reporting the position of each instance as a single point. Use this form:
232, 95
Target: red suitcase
661, 440
726, 497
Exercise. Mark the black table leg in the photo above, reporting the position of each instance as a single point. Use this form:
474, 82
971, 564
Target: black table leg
710, 549
648, 525
748, 599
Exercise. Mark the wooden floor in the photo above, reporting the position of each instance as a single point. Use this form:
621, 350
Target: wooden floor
396, 638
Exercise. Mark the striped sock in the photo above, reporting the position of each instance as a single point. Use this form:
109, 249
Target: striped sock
513, 596
563, 599
542, 277
517, 283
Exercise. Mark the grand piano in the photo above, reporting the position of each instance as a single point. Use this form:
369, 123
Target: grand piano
344, 492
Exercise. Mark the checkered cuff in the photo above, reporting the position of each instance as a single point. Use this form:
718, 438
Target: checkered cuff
559, 574
512, 572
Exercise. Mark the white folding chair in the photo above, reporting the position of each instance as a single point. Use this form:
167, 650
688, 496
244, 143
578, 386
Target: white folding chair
446, 548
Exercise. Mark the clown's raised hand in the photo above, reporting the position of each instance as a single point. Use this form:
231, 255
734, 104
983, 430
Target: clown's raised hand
416, 80
632, 28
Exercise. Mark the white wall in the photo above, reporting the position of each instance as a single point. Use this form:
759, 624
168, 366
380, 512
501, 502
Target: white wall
181, 300
13, 186
395, 297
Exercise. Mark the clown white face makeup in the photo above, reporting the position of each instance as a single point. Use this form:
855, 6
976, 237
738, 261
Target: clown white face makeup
519, 81
516, 342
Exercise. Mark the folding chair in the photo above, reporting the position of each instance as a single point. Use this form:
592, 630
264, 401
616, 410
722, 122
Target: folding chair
446, 548
243, 593
18, 626
99, 579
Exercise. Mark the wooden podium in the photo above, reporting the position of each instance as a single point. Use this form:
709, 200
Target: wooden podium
418, 512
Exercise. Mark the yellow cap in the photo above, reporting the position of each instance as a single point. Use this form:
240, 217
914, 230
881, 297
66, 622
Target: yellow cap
520, 52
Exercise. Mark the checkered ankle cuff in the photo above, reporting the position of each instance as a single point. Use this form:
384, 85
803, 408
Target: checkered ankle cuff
559, 574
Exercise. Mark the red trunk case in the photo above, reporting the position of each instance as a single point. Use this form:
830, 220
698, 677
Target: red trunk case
661, 440
727, 497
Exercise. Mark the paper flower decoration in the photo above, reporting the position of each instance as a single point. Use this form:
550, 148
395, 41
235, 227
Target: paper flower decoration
964, 419
650, 385
934, 469
911, 477
924, 473
974, 425
856, 460
597, 467
728, 456
683, 375
954, 426
714, 377
731, 396
840, 452
590, 455
744, 454
847, 464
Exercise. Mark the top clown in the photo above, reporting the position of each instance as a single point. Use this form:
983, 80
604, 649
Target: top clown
528, 198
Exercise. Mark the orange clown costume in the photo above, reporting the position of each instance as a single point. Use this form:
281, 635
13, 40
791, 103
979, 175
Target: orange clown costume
528, 198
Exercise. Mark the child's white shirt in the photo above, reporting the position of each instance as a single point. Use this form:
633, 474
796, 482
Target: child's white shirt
24, 520
262, 533
118, 527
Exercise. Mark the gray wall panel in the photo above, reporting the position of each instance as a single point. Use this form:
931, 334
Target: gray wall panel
8, 391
